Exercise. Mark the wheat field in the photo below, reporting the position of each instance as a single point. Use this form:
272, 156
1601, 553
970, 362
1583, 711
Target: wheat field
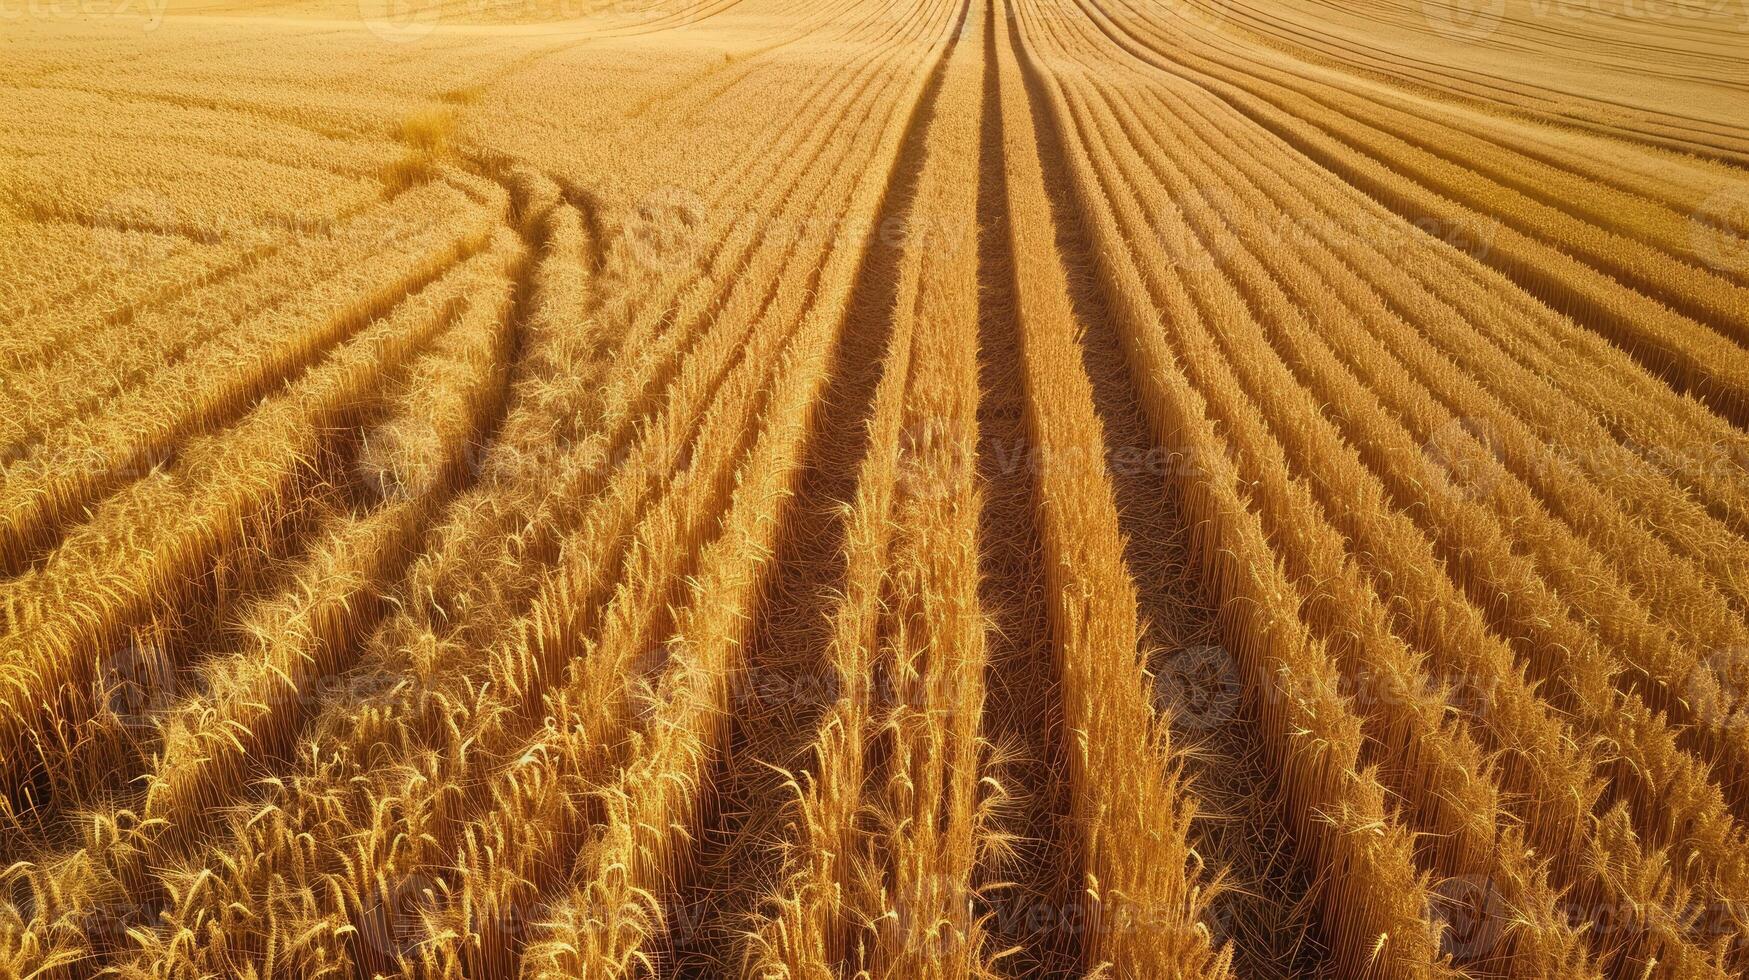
1125, 489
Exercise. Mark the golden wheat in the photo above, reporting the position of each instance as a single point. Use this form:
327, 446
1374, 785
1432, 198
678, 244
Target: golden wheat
874, 488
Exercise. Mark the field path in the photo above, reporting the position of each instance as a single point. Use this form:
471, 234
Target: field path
875, 488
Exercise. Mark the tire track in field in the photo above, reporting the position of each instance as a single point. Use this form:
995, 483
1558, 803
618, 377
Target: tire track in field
34, 532
95, 399
129, 309
167, 625
788, 680
1023, 710
624, 427
588, 205
191, 632
232, 581
1266, 917
469, 474
653, 627
208, 783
